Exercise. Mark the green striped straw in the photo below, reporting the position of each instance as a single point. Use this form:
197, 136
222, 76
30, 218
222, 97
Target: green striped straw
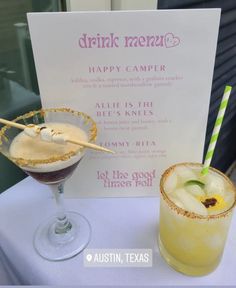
216, 130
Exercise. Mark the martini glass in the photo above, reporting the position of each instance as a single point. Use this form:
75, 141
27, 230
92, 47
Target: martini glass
65, 234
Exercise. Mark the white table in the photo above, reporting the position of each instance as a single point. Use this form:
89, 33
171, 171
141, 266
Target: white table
116, 223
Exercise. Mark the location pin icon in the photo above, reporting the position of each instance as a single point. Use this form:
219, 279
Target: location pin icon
89, 257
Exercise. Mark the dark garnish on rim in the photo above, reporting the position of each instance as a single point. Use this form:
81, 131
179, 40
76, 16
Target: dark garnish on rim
209, 202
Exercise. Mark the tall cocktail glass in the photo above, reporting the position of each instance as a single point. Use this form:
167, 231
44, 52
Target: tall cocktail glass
65, 234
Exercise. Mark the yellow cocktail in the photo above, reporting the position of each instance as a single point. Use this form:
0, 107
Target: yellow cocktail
195, 214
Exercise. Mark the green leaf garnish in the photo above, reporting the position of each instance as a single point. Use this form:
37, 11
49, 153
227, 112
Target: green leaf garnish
194, 182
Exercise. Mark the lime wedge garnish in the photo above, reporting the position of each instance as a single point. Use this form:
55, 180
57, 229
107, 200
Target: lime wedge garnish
194, 182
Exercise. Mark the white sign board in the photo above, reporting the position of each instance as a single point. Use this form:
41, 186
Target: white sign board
144, 76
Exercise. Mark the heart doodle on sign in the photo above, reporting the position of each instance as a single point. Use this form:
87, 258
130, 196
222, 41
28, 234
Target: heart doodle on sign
171, 40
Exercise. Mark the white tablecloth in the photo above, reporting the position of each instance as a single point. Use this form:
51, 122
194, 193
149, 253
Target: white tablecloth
116, 223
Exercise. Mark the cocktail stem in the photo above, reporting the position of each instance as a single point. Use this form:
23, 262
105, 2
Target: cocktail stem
63, 225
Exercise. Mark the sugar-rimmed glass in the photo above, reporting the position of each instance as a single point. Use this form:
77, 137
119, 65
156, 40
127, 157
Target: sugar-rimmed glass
63, 235
192, 243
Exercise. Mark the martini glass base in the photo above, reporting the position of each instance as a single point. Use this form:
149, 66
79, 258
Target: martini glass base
56, 247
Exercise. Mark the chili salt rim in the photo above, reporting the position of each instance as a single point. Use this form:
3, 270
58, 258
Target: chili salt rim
184, 212
28, 162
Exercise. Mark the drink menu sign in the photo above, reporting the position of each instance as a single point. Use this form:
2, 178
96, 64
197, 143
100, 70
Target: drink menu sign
144, 76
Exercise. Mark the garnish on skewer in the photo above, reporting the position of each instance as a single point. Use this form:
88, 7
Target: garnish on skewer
49, 135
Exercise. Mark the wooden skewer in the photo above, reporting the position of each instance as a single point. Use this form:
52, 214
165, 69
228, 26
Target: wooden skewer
90, 145
81, 143
13, 124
